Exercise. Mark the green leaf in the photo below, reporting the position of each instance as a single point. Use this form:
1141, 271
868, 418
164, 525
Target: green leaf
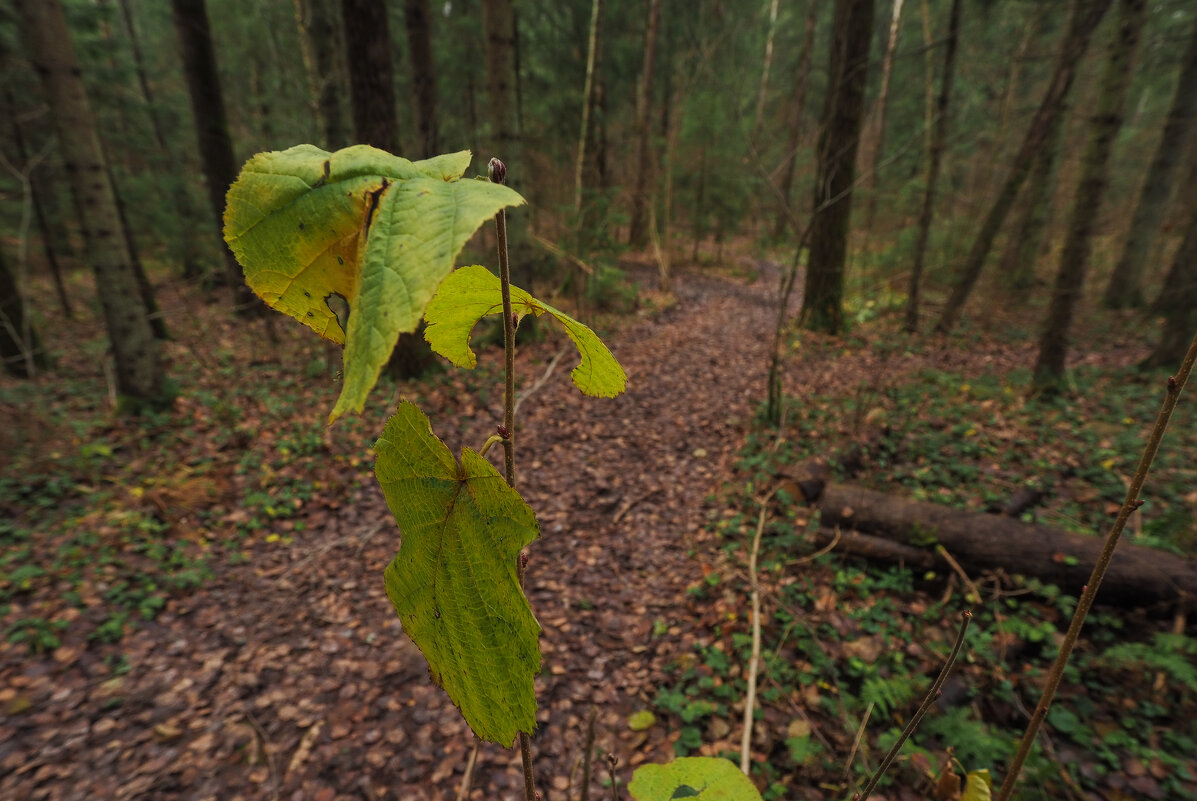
704, 778
353, 244
977, 786
453, 582
473, 292
639, 721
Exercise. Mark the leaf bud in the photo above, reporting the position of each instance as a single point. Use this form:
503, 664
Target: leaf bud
503, 432
497, 171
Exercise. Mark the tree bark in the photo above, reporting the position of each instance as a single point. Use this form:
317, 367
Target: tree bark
638, 227
371, 74
1023, 245
211, 127
1074, 258
766, 68
1086, 14
878, 143
21, 350
588, 97
1177, 301
1125, 288
319, 36
851, 35
140, 376
939, 141
423, 76
1138, 577
785, 214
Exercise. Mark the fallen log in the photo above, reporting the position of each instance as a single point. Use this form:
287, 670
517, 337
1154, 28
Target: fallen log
1138, 576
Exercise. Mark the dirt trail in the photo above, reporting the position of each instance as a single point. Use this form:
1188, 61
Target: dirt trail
291, 678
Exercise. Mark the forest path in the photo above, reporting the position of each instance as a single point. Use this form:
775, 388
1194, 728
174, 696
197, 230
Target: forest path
289, 676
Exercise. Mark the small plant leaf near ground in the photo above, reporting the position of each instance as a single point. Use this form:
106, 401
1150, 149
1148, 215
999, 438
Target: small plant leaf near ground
354, 243
454, 582
473, 292
700, 778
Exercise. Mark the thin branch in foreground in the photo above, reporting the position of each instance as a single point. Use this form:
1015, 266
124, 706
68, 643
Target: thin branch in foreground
1171, 395
932, 694
754, 662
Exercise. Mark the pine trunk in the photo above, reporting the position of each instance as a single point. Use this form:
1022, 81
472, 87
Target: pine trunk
638, 229
423, 77
939, 141
371, 74
1074, 258
1086, 14
785, 214
1178, 298
588, 97
21, 350
320, 42
211, 127
878, 144
1125, 289
1022, 248
843, 111
140, 376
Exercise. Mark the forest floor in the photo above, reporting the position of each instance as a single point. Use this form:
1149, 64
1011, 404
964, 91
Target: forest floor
192, 604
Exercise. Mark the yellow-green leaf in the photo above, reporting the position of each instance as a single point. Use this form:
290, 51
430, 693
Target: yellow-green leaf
639, 721
701, 778
473, 292
354, 243
977, 786
453, 582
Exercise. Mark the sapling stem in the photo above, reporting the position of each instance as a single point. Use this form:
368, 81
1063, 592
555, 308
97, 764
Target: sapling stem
1171, 395
498, 172
489, 442
932, 694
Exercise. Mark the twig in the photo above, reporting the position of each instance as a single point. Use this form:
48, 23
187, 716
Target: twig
265, 746
589, 753
1129, 505
932, 694
828, 548
498, 172
559, 253
860, 730
627, 505
540, 382
464, 790
972, 587
754, 661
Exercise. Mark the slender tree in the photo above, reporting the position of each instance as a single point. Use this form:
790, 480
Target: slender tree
588, 102
211, 126
140, 376
423, 78
1125, 288
1085, 16
320, 41
763, 92
877, 145
794, 126
1074, 258
1177, 302
939, 141
843, 110
371, 73
1026, 240
21, 348
638, 227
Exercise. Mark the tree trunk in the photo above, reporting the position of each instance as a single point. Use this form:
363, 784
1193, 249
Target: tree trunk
1125, 289
189, 248
939, 141
319, 36
1178, 297
140, 376
1074, 258
21, 350
423, 76
1138, 577
371, 73
851, 35
878, 138
1023, 245
588, 97
638, 228
785, 214
211, 127
1086, 14
766, 68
